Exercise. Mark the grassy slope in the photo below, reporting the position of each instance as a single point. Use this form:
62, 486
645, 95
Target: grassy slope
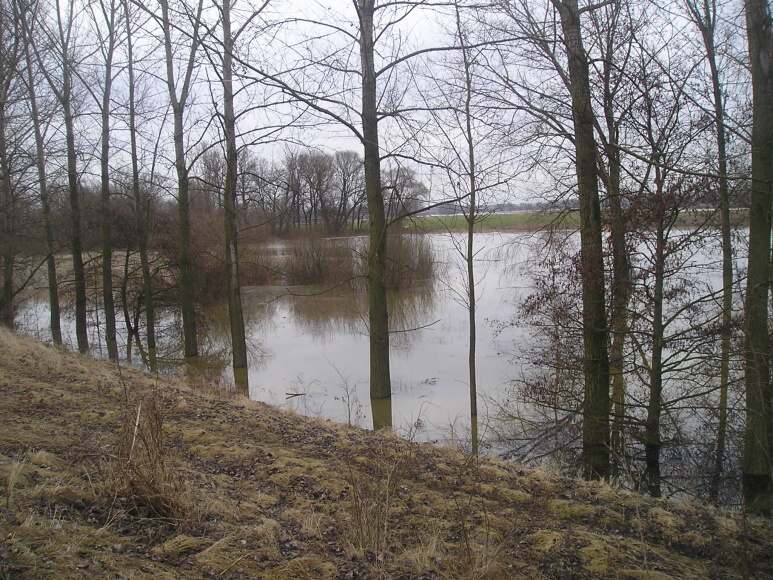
529, 221
521, 221
269, 494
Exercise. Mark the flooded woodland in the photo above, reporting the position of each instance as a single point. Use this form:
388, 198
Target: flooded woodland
307, 338
306, 327
298, 254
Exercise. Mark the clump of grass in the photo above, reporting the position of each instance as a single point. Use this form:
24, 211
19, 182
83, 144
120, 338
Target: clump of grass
371, 496
311, 525
142, 473
14, 473
426, 553
480, 554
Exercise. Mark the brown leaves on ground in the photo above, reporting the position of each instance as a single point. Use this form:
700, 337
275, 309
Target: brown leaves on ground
114, 474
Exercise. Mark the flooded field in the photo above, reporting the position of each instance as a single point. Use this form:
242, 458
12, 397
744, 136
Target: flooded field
309, 345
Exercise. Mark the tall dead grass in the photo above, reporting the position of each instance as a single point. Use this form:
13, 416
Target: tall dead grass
142, 474
371, 499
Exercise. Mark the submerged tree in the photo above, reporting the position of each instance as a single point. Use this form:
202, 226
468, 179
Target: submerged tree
10, 59
108, 21
238, 340
179, 94
141, 203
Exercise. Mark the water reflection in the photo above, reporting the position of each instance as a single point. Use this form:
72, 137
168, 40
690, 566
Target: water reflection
308, 345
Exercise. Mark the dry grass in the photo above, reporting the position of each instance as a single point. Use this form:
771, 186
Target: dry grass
202, 486
371, 498
11, 478
142, 474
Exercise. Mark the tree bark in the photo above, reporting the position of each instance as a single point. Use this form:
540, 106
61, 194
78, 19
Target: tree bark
758, 490
470, 252
140, 203
705, 19
652, 443
613, 30
238, 339
595, 332
63, 93
187, 302
7, 311
40, 163
378, 318
75, 219
105, 212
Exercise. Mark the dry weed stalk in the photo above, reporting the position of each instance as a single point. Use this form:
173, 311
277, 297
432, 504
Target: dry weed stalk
142, 473
13, 476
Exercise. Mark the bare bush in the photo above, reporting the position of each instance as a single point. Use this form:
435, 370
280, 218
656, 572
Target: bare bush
409, 260
315, 261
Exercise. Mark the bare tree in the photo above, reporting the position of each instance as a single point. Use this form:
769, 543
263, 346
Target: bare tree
179, 93
141, 203
40, 162
378, 316
596, 402
379, 103
62, 41
238, 340
10, 58
106, 25
613, 29
704, 15
758, 489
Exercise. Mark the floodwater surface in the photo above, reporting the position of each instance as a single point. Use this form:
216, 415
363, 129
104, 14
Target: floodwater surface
313, 343
309, 344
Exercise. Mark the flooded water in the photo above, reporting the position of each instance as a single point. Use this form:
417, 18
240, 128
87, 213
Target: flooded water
309, 344
316, 347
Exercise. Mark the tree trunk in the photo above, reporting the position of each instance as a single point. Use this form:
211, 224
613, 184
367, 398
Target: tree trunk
470, 252
727, 259
621, 293
8, 210
618, 225
238, 340
596, 366
378, 318
105, 213
187, 304
652, 442
758, 491
75, 219
140, 211
127, 320
40, 162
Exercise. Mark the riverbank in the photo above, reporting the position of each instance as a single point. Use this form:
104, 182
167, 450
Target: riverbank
107, 472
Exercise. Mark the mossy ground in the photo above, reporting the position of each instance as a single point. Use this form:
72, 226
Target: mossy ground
269, 494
